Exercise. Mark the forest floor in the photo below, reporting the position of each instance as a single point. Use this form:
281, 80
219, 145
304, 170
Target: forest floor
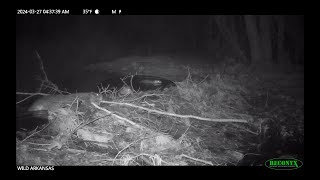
226, 114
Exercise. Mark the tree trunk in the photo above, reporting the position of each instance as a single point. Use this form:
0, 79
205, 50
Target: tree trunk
265, 35
253, 36
281, 54
228, 30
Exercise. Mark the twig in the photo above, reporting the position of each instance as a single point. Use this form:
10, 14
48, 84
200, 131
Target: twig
189, 75
203, 79
82, 125
195, 159
75, 99
104, 90
45, 81
41, 67
132, 85
35, 133
117, 116
177, 115
124, 78
24, 93
128, 147
185, 132
38, 144
37, 149
31, 95
146, 95
266, 104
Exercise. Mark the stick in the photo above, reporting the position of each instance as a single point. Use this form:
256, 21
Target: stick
266, 104
31, 95
132, 85
82, 125
146, 95
41, 67
24, 93
117, 116
195, 159
35, 132
177, 115
129, 146
203, 79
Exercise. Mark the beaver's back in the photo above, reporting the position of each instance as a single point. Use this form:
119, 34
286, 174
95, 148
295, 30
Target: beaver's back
54, 102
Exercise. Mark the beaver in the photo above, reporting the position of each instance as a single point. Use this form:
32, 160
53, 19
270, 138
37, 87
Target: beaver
54, 102
138, 83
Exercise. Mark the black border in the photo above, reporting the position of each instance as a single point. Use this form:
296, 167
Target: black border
262, 8
161, 172
168, 171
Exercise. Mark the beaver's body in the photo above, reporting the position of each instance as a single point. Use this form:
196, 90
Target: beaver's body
151, 82
54, 102
139, 83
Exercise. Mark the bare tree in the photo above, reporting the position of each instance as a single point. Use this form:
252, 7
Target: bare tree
253, 37
229, 31
265, 38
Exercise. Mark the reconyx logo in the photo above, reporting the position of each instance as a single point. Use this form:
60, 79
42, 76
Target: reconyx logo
283, 164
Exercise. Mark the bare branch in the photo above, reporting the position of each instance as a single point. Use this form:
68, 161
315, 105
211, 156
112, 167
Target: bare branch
29, 95
176, 115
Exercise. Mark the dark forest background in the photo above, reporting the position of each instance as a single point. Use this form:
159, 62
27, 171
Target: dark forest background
67, 43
